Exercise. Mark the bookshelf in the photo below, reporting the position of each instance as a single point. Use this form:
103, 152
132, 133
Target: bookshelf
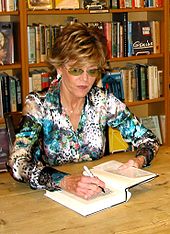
156, 106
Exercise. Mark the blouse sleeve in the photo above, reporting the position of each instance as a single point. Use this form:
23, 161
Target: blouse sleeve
25, 161
120, 117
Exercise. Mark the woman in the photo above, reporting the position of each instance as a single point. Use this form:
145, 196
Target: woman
68, 123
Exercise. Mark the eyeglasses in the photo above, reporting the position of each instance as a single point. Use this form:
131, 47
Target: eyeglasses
94, 72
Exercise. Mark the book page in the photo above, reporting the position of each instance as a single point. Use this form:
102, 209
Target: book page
115, 177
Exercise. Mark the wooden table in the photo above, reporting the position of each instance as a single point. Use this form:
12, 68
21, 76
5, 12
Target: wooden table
23, 210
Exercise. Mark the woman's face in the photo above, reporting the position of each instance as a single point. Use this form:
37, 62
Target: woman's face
78, 80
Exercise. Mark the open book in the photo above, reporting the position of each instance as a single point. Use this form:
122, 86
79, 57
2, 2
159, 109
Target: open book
117, 181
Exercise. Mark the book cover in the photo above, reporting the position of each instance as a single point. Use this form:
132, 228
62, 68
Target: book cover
6, 43
118, 183
142, 41
152, 123
4, 149
64, 4
40, 4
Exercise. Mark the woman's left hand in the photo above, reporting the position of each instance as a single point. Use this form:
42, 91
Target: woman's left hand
137, 162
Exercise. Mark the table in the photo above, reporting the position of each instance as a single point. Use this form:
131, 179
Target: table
23, 210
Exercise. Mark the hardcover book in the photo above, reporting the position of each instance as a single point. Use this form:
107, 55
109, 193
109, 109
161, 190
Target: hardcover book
152, 123
118, 183
142, 41
40, 4
6, 43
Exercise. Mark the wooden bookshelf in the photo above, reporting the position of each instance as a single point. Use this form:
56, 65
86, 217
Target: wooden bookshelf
154, 106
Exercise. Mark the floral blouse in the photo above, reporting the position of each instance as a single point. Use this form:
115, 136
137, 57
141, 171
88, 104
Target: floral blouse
47, 138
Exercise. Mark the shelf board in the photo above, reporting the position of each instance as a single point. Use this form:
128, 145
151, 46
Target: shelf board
57, 12
85, 11
42, 64
10, 66
149, 56
141, 9
9, 13
147, 101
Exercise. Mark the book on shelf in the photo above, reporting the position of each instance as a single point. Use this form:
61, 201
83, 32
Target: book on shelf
6, 43
114, 4
64, 4
94, 4
4, 148
142, 41
40, 4
122, 32
1, 102
5, 92
118, 184
155, 27
112, 83
152, 123
10, 93
31, 44
39, 80
162, 122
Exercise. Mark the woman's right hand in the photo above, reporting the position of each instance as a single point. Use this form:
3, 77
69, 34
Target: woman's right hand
82, 186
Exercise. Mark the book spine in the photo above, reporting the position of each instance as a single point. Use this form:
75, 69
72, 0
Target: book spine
5, 93
1, 102
9, 5
13, 99
43, 55
37, 43
31, 44
36, 82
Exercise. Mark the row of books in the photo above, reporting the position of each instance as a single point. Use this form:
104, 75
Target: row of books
131, 38
134, 82
124, 38
41, 39
92, 4
135, 3
39, 80
8, 5
10, 94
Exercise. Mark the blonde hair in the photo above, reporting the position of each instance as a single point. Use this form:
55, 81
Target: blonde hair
80, 44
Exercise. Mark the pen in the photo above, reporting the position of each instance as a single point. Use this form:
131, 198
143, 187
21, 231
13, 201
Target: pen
89, 173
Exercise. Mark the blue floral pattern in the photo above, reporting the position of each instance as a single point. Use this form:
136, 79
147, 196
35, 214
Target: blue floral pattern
47, 137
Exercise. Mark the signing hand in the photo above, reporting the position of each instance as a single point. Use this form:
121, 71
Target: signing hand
83, 186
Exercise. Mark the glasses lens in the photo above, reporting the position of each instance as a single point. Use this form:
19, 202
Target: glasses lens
75, 71
94, 72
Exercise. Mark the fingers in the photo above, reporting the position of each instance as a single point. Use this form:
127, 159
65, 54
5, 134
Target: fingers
83, 186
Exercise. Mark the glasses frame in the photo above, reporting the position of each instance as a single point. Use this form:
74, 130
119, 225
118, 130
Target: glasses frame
98, 70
